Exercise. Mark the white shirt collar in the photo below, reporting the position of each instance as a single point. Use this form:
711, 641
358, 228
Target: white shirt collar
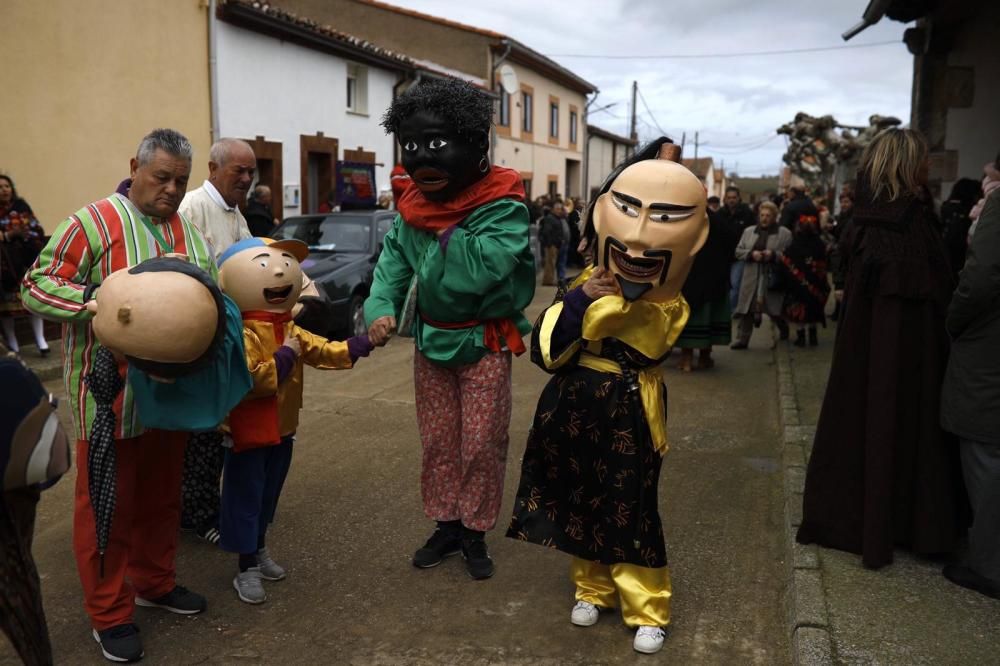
217, 198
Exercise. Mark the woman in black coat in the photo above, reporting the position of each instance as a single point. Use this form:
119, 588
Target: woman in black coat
882, 471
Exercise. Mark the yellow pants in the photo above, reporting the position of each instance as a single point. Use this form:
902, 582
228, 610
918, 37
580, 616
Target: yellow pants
644, 592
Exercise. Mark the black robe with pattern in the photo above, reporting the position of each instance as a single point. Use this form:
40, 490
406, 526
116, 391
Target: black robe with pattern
588, 447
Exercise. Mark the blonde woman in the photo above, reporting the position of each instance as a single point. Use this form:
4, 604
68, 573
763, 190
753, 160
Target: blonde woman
881, 474
760, 293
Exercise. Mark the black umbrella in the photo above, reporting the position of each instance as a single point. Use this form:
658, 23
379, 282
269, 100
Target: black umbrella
105, 383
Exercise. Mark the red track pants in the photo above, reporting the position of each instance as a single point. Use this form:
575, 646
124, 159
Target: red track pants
143, 542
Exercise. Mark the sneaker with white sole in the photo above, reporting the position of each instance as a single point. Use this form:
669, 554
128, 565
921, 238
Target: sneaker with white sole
179, 600
120, 643
268, 568
648, 640
249, 587
584, 614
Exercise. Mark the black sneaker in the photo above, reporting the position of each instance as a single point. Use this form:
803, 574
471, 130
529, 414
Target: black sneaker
120, 643
209, 534
179, 600
443, 543
477, 558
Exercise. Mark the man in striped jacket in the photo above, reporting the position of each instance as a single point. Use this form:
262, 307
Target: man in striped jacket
117, 232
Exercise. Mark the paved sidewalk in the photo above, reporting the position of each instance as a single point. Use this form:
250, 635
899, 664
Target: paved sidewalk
840, 612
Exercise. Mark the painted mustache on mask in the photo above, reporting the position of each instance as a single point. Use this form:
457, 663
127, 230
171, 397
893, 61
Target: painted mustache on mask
643, 268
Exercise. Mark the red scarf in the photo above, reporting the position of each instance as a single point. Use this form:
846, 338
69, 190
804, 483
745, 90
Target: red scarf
420, 213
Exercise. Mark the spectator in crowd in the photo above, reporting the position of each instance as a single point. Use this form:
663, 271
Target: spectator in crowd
955, 220
883, 473
838, 261
991, 182
713, 203
573, 209
260, 218
552, 237
739, 217
970, 400
798, 206
214, 210
760, 292
29, 431
118, 232
707, 292
21, 238
803, 278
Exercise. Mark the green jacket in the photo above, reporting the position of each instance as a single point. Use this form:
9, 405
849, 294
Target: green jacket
486, 272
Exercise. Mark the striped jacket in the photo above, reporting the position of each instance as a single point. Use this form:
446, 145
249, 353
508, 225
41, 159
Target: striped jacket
98, 240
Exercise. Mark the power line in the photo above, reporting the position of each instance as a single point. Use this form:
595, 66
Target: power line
691, 56
744, 150
643, 98
737, 143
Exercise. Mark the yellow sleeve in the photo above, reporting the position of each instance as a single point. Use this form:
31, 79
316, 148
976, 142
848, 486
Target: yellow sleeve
322, 353
546, 326
261, 365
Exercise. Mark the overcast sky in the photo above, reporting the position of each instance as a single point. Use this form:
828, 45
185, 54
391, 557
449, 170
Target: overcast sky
734, 103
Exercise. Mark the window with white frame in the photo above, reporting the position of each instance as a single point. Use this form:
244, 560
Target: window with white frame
357, 88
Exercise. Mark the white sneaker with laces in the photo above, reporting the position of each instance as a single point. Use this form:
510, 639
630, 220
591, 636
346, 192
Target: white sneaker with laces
249, 587
584, 614
648, 640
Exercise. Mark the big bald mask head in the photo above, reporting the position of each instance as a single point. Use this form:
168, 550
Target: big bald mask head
649, 225
441, 161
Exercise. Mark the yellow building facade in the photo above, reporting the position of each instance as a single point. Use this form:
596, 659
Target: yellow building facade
85, 81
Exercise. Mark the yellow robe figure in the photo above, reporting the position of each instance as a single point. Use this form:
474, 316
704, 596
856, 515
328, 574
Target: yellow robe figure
590, 471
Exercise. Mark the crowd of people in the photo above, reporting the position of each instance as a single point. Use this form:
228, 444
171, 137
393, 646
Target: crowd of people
906, 453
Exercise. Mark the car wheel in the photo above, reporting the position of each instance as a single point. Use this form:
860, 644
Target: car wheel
356, 311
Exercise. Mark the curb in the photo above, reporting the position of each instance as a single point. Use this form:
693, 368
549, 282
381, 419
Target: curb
808, 620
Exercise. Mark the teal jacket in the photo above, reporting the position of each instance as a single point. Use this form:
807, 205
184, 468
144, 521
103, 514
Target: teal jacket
486, 272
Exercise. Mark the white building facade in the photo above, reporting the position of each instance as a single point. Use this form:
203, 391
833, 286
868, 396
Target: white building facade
305, 97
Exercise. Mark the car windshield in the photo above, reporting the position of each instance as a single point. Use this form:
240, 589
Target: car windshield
336, 233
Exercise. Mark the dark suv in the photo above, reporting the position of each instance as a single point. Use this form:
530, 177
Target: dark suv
343, 249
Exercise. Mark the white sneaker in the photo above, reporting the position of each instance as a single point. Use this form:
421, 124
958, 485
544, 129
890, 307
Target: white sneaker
249, 587
584, 614
648, 640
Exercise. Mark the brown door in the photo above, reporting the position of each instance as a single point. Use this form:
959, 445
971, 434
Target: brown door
317, 161
268, 155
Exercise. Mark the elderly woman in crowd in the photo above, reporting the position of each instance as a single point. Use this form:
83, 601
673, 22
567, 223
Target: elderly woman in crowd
760, 291
21, 238
882, 473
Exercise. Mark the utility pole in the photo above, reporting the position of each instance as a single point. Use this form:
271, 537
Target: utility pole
696, 145
684, 136
635, 88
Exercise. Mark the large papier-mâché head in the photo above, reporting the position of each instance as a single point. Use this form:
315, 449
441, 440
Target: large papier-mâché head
263, 275
165, 315
443, 130
648, 223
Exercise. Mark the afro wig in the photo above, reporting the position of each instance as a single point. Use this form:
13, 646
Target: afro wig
466, 108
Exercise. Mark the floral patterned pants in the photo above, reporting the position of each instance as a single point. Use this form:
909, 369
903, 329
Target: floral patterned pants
203, 459
463, 414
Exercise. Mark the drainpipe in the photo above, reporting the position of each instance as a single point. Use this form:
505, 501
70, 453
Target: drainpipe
213, 71
492, 82
585, 185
